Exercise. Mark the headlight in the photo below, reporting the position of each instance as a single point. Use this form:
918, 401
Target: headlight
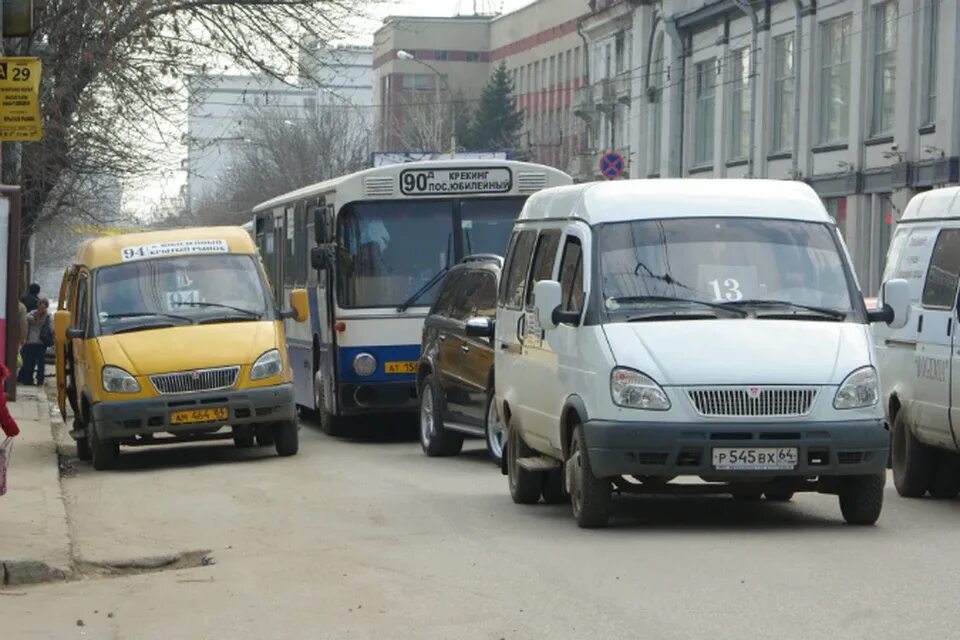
860, 389
635, 390
266, 366
364, 364
116, 380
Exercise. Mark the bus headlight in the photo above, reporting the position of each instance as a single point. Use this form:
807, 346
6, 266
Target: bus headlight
116, 380
364, 364
266, 366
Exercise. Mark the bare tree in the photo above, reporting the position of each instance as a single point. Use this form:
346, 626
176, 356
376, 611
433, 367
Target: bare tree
421, 122
112, 90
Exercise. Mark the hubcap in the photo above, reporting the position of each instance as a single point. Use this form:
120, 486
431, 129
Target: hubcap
426, 415
575, 473
494, 431
317, 391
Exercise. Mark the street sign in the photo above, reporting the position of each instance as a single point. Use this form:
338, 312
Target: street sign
20, 100
611, 165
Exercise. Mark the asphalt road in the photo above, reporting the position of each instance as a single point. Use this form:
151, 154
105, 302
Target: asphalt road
368, 538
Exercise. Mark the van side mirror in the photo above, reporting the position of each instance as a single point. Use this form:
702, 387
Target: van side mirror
61, 325
895, 304
547, 296
320, 225
299, 306
479, 327
319, 257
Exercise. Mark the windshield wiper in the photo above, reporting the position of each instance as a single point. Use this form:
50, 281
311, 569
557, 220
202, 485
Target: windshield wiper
422, 290
142, 327
833, 313
145, 314
712, 305
251, 312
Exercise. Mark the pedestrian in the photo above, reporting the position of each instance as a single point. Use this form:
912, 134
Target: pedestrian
39, 337
7, 423
32, 297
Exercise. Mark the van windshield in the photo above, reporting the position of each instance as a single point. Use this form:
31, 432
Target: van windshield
774, 266
180, 290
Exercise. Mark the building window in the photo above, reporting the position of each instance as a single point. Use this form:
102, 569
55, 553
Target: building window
885, 18
472, 56
837, 208
740, 104
440, 55
656, 100
929, 105
783, 87
706, 82
620, 46
577, 71
835, 79
608, 61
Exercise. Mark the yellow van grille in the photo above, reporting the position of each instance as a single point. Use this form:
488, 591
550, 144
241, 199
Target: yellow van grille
753, 402
199, 380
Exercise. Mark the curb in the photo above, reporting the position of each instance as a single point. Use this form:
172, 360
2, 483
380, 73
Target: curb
22, 572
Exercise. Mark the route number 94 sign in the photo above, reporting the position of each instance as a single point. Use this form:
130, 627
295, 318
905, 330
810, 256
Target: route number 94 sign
20, 100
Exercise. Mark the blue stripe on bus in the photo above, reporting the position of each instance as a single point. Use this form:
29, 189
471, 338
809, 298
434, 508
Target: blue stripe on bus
383, 354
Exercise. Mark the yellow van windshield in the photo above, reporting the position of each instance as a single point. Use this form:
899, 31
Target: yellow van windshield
183, 290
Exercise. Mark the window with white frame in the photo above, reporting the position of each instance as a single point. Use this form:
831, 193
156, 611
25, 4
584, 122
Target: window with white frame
835, 79
740, 103
885, 19
928, 106
705, 89
783, 88
656, 100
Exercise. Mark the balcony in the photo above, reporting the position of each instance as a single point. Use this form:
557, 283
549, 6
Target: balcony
584, 106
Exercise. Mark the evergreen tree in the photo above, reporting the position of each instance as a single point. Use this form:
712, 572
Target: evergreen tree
496, 123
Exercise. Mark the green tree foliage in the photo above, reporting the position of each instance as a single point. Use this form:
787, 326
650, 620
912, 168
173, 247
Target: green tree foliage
496, 123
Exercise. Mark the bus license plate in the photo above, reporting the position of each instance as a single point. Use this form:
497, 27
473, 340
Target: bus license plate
755, 458
400, 367
196, 416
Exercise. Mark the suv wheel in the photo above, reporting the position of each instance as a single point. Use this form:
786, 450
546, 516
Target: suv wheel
912, 461
493, 428
589, 495
434, 438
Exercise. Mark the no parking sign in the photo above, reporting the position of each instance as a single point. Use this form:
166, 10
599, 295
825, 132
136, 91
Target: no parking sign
611, 165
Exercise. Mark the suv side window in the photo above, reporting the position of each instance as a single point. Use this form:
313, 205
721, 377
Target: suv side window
447, 295
543, 260
940, 288
571, 275
517, 269
460, 305
482, 299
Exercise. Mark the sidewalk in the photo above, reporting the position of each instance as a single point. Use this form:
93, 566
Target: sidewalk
34, 534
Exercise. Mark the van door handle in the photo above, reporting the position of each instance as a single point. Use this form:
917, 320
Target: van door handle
949, 326
465, 349
920, 323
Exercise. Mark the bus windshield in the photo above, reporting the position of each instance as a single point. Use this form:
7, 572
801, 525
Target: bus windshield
390, 250
182, 290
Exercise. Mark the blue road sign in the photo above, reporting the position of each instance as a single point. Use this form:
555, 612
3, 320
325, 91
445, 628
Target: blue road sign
611, 165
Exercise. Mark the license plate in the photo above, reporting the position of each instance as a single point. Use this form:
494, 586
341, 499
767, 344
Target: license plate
195, 416
400, 367
755, 458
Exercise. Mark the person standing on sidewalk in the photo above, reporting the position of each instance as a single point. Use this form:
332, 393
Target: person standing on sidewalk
39, 337
7, 424
32, 297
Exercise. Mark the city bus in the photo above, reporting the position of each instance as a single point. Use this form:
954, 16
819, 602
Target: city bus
371, 248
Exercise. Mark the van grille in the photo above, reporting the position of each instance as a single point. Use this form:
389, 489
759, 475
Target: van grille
753, 402
378, 186
530, 182
199, 380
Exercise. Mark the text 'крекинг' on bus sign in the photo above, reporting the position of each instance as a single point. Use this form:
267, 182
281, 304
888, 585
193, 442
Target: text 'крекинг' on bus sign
20, 100
456, 181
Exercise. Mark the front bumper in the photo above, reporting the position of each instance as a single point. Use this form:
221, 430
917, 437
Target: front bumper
128, 418
674, 449
376, 397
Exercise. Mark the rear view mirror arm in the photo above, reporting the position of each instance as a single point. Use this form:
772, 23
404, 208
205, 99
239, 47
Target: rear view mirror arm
884, 315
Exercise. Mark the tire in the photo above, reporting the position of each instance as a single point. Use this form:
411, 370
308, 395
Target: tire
589, 496
746, 495
435, 440
554, 491
861, 498
493, 429
264, 435
945, 484
779, 495
525, 486
913, 461
83, 449
103, 454
243, 437
287, 438
330, 424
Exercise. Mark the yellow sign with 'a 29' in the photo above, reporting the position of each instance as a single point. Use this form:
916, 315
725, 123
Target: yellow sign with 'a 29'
20, 100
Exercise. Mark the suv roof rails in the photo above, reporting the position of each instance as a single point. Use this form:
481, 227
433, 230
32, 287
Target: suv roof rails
483, 257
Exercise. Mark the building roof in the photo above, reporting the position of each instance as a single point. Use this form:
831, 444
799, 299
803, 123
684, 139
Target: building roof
933, 205
108, 250
599, 202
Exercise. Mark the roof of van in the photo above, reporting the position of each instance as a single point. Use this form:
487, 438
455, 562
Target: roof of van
108, 250
933, 205
599, 202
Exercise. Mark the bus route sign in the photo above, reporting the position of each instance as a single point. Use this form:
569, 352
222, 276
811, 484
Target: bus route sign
455, 181
20, 100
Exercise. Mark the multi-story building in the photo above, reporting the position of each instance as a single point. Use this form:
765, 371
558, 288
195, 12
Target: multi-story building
856, 97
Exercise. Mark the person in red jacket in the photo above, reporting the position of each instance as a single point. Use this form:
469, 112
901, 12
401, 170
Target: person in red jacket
7, 423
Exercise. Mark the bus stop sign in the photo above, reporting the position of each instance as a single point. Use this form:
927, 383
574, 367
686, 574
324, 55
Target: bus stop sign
611, 165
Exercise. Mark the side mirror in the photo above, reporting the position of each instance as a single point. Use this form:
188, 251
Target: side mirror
318, 257
479, 327
61, 325
547, 296
895, 308
299, 306
320, 225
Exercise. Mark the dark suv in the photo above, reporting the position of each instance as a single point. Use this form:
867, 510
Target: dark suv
455, 372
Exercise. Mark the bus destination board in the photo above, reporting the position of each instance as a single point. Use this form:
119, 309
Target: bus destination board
455, 181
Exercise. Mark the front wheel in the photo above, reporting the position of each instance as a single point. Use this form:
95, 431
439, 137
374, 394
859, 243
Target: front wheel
779, 495
103, 453
861, 498
525, 486
911, 459
494, 429
945, 483
330, 424
589, 495
287, 438
435, 439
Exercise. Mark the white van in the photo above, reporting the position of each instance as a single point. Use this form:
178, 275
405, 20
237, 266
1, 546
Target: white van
650, 329
919, 362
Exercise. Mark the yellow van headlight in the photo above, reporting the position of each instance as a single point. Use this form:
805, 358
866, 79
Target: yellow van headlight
117, 380
267, 366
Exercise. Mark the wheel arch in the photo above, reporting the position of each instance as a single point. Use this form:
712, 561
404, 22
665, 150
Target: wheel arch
574, 412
